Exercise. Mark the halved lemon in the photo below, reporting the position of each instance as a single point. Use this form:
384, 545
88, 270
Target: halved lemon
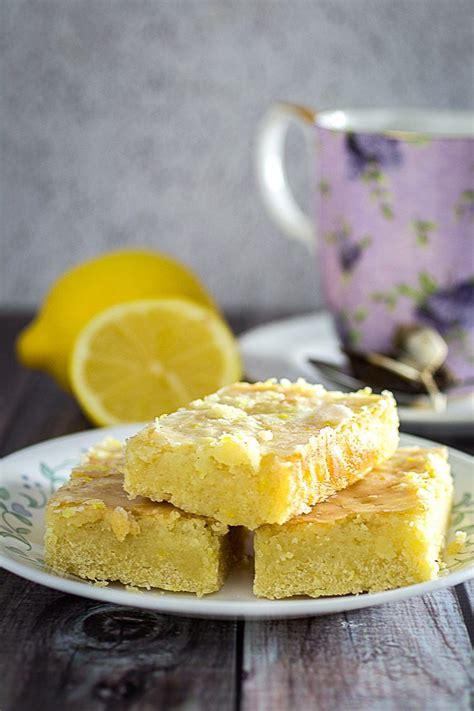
87, 289
143, 358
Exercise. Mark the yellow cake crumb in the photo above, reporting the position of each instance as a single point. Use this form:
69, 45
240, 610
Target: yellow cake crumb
261, 453
457, 544
385, 531
94, 531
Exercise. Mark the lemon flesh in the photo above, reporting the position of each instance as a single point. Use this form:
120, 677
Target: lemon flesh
141, 359
91, 287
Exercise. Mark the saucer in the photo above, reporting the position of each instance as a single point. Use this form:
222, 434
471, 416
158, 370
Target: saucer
284, 348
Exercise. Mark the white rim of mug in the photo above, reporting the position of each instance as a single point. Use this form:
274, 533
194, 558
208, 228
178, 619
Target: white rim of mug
328, 119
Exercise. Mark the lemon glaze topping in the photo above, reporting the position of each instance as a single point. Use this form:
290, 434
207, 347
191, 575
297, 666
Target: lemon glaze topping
395, 485
269, 417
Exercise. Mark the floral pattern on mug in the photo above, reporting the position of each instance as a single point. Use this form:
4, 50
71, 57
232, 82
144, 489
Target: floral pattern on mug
324, 187
450, 308
367, 155
464, 207
349, 251
423, 230
348, 325
366, 150
418, 293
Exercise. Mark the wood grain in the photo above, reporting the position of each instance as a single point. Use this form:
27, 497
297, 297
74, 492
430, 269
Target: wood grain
13, 377
469, 588
465, 595
62, 652
414, 654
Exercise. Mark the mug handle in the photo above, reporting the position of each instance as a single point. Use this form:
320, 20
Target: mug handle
271, 173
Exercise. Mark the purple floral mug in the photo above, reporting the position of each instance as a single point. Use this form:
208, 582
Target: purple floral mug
394, 219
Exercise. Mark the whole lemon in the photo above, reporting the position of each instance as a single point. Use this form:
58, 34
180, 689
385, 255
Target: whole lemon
85, 290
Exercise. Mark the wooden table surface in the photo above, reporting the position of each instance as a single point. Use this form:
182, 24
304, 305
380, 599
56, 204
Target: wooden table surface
63, 652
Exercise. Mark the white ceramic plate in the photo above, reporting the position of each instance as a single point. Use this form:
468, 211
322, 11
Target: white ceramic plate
28, 477
282, 349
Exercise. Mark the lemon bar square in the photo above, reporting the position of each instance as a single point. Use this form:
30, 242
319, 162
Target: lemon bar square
382, 532
94, 531
261, 453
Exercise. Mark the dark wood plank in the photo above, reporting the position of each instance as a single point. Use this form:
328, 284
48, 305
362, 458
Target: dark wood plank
414, 654
42, 411
10, 327
465, 595
13, 377
62, 652
469, 587
32, 406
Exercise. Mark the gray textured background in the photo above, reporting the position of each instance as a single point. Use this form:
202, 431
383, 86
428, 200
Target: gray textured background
132, 122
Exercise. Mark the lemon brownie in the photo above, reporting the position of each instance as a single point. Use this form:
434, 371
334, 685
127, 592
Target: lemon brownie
94, 531
262, 453
382, 532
